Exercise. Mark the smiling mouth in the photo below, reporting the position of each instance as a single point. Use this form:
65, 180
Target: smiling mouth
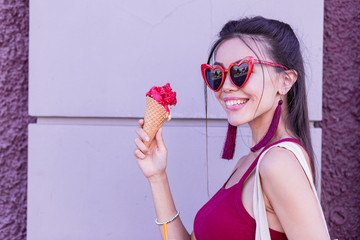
235, 102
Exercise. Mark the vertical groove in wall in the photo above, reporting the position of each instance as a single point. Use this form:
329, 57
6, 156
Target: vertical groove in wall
14, 29
341, 122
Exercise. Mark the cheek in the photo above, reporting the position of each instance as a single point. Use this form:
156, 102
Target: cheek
254, 87
262, 92
218, 95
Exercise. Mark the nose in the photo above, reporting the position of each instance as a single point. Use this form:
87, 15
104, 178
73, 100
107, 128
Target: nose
228, 85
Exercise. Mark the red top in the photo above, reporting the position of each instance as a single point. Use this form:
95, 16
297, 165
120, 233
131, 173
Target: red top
224, 215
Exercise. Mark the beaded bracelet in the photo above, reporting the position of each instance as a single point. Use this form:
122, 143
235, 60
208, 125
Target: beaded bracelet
172, 219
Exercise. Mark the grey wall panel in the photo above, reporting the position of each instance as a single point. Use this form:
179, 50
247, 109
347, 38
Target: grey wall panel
84, 182
96, 59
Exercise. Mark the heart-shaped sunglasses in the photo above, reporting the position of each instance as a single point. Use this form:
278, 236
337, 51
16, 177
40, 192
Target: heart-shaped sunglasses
239, 72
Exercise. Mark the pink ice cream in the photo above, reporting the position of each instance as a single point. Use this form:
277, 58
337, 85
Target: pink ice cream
163, 95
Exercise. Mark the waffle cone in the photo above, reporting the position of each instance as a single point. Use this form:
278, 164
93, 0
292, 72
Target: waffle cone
155, 116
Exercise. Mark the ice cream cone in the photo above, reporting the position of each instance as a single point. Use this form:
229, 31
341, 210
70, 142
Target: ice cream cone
155, 116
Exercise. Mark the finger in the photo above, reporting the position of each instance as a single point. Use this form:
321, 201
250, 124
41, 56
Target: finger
140, 145
142, 134
139, 155
141, 122
159, 139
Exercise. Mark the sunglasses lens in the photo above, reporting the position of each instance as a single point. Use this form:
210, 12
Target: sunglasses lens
239, 74
214, 78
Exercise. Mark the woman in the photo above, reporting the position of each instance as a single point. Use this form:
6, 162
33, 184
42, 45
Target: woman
257, 75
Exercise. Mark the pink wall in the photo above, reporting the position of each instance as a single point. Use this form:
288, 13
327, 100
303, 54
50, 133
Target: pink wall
14, 27
341, 123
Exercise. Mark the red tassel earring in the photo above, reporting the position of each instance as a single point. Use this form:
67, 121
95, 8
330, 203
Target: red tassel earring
272, 129
229, 146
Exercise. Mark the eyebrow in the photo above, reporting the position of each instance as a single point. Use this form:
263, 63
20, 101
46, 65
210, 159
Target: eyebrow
220, 64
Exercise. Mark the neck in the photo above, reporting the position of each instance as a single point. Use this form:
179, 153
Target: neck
268, 128
260, 126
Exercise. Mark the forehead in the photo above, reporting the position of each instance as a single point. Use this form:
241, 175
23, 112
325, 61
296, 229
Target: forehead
234, 49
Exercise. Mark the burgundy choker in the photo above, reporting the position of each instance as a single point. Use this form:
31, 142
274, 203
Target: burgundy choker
229, 146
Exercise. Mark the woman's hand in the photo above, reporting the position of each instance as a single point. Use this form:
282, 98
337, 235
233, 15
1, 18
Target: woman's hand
152, 160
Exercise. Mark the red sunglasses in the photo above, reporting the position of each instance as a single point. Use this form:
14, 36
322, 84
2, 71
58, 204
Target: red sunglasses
239, 72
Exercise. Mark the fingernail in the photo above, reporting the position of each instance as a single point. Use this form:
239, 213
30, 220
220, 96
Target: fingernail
147, 138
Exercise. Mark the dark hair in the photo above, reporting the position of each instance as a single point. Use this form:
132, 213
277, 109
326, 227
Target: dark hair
283, 47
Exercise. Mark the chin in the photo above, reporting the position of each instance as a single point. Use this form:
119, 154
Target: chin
236, 121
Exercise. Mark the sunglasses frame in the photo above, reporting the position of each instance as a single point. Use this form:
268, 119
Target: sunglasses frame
249, 60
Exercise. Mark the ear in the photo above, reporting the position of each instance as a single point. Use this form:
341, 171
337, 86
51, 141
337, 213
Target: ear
288, 78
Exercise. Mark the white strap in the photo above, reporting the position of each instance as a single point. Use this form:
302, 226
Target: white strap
262, 226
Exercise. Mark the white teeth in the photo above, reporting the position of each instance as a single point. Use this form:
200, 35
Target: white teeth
235, 102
